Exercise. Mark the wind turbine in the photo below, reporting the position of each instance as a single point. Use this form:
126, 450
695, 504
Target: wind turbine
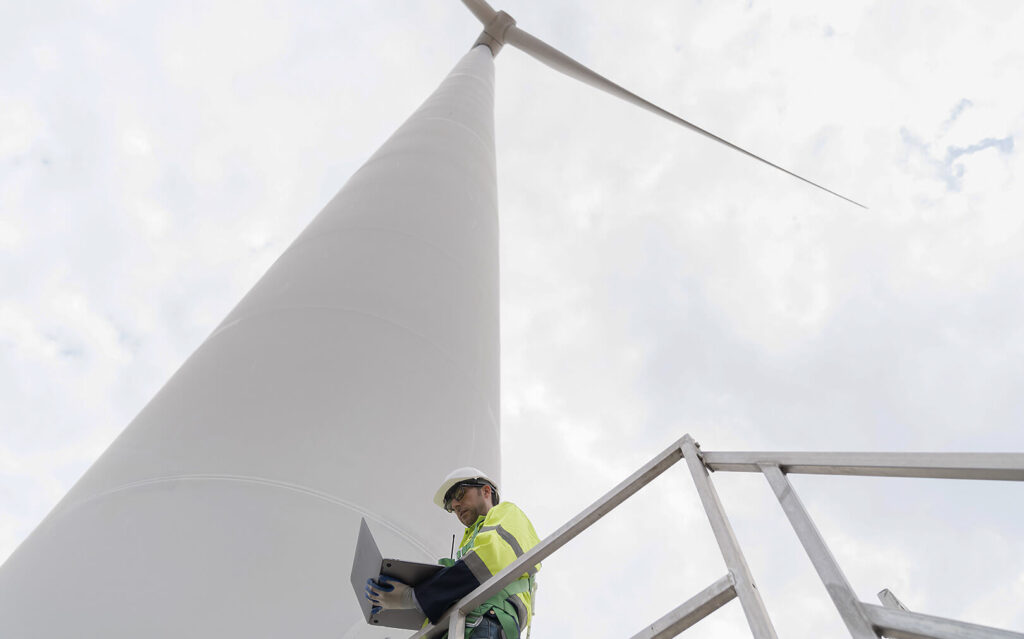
360, 369
500, 29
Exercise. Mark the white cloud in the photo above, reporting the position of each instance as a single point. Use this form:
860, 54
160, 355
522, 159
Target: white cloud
20, 127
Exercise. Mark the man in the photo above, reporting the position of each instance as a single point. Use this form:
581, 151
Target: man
496, 534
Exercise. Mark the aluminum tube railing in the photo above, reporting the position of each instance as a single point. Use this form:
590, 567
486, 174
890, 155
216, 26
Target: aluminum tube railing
899, 624
757, 617
1003, 466
832, 576
863, 620
692, 610
890, 601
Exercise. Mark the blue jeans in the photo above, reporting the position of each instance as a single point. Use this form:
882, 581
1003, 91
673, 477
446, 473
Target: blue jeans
489, 628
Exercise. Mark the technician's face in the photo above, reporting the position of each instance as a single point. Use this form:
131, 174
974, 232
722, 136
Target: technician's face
474, 503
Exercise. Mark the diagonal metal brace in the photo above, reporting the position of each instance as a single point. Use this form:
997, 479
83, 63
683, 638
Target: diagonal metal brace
691, 611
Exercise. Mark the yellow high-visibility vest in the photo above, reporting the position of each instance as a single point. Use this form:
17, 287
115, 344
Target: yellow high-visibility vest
494, 541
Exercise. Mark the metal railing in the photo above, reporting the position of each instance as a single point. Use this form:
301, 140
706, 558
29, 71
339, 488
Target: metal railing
863, 620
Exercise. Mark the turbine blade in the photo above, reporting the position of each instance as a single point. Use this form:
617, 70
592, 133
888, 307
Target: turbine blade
563, 63
483, 11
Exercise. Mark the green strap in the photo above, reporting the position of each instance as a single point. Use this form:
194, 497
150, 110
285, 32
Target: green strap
504, 610
509, 623
518, 586
467, 546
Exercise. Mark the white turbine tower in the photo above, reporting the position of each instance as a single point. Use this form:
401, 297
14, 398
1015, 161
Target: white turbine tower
360, 369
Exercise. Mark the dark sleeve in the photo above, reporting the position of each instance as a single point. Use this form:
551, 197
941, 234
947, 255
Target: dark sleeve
437, 594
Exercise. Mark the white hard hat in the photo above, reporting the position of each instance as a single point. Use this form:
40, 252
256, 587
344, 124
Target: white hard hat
466, 473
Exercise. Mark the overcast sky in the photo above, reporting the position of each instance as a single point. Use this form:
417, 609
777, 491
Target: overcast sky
155, 158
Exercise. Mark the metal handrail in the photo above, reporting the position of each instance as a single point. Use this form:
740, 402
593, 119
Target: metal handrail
864, 621
1001, 466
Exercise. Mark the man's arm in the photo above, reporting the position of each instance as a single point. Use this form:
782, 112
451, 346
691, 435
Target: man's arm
505, 535
438, 593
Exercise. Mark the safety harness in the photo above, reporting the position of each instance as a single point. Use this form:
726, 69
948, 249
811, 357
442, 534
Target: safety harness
501, 604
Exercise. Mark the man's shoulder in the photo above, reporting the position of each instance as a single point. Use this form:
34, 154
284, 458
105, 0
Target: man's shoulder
503, 510
510, 518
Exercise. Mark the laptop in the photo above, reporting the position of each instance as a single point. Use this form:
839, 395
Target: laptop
368, 563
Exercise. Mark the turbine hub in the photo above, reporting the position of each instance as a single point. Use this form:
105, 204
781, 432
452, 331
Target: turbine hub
493, 34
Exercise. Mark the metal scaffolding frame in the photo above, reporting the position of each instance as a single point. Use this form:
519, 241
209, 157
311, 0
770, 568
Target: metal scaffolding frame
863, 620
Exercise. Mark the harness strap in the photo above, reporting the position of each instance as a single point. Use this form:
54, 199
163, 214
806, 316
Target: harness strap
466, 547
506, 607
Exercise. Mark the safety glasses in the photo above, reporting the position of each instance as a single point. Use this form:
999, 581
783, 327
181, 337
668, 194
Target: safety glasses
457, 492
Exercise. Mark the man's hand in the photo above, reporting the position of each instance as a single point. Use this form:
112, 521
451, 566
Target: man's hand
389, 594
